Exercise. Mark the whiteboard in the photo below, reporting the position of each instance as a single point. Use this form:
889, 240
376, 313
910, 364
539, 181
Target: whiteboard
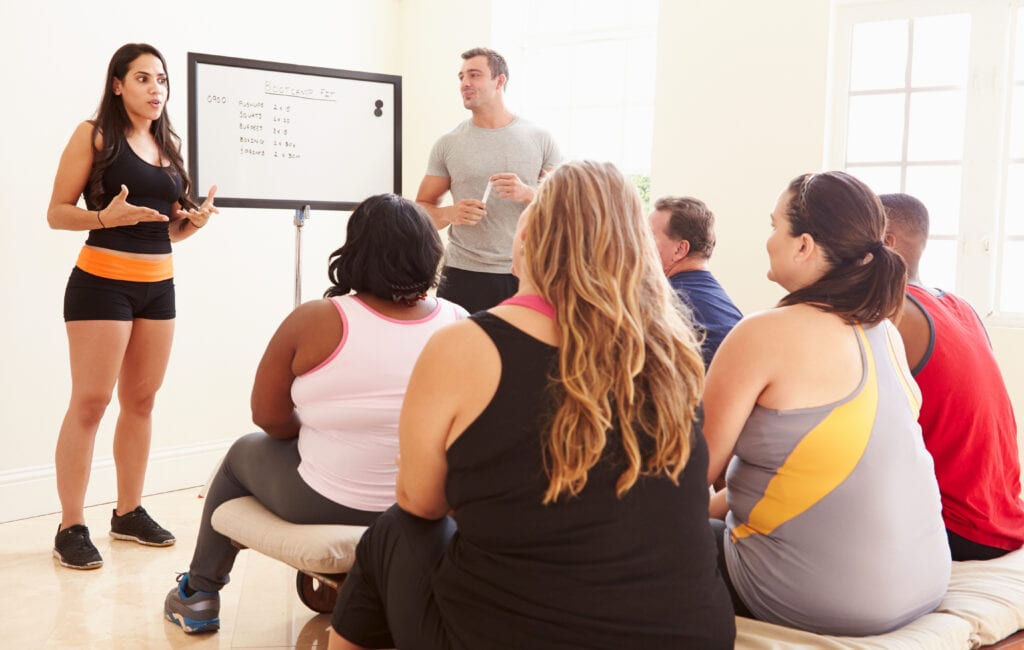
275, 135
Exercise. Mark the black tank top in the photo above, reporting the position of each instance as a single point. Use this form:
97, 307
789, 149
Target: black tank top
150, 186
594, 571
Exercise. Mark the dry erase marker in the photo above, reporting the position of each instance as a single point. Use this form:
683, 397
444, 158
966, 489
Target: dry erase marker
487, 192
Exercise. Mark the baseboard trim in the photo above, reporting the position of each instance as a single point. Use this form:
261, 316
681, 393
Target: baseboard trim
31, 491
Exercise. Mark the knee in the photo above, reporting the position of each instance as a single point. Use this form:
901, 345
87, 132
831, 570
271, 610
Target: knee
139, 404
243, 450
88, 409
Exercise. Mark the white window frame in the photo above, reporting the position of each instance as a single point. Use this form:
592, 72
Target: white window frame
986, 135
525, 38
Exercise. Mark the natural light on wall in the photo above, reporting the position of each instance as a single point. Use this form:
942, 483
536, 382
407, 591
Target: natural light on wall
929, 100
584, 70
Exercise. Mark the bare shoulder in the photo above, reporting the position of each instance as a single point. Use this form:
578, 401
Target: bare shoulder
309, 317
766, 323
775, 331
87, 135
314, 309
461, 341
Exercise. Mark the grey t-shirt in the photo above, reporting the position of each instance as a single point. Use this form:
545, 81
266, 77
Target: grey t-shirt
469, 156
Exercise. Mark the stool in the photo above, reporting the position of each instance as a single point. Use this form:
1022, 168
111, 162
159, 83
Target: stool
322, 554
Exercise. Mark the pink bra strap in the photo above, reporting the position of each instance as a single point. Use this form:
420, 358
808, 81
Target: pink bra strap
532, 301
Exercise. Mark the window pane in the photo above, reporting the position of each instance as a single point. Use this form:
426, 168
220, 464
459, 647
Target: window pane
640, 71
938, 264
938, 187
555, 17
1014, 215
536, 85
881, 180
598, 14
1017, 122
878, 56
598, 74
643, 13
596, 133
556, 121
940, 51
1011, 292
639, 127
876, 128
936, 125
1019, 65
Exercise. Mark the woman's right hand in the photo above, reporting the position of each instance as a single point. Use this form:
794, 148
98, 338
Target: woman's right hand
119, 212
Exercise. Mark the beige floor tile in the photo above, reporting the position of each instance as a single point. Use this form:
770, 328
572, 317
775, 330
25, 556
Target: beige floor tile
120, 605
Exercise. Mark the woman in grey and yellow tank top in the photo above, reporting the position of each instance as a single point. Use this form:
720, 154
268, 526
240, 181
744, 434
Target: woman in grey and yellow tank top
832, 514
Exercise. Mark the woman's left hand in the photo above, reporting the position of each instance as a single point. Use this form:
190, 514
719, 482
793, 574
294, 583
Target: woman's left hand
199, 217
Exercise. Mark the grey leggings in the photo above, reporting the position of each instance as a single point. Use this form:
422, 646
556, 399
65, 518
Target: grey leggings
267, 469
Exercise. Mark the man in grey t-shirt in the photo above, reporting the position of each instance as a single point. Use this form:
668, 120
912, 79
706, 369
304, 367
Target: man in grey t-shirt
491, 164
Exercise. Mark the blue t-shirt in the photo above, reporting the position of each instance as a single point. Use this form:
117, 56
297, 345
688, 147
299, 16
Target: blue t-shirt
714, 313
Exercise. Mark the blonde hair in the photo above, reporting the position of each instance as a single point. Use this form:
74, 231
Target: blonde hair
628, 357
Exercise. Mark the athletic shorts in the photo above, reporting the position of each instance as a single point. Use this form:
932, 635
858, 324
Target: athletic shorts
90, 297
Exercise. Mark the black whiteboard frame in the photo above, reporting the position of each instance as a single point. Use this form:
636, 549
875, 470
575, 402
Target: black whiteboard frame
195, 58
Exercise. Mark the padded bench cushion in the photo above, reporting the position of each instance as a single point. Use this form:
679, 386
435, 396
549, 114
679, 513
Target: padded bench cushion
317, 548
984, 604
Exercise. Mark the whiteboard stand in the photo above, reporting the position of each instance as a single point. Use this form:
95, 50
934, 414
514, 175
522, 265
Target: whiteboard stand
301, 215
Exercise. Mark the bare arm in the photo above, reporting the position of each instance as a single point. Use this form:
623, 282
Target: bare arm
465, 212
304, 339
509, 186
915, 332
738, 375
72, 176
454, 378
718, 505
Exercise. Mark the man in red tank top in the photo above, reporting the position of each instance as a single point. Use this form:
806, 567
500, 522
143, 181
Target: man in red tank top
966, 415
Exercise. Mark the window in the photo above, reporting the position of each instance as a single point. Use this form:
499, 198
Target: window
922, 96
584, 70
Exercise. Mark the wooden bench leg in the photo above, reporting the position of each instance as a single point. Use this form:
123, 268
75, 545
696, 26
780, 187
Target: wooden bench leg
317, 594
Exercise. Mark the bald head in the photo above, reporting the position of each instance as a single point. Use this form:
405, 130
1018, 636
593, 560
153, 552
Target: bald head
906, 228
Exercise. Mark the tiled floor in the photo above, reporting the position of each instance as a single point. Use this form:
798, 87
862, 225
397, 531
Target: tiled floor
120, 606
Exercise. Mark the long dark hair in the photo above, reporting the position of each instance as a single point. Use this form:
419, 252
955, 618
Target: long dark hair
847, 221
112, 122
392, 251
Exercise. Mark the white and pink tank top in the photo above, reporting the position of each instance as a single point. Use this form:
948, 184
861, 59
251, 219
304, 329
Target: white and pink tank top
349, 404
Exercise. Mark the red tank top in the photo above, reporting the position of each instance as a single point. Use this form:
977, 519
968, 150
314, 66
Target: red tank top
968, 425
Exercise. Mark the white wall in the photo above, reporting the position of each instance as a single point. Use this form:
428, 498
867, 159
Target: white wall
235, 279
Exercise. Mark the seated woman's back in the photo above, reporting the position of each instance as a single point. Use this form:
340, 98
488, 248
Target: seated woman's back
593, 570
838, 492
348, 403
834, 522
558, 430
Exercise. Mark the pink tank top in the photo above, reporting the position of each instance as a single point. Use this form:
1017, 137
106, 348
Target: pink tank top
349, 404
531, 301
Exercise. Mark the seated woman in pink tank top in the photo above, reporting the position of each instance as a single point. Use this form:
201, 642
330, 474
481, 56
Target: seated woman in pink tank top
327, 396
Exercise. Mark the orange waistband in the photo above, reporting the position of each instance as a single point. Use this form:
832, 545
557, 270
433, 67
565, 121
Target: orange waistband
114, 267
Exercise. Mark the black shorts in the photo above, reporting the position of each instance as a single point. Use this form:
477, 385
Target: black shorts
475, 290
90, 297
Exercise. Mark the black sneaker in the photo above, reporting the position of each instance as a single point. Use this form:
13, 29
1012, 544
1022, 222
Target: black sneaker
138, 526
74, 549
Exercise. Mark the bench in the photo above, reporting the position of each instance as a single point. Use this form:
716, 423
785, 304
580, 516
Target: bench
321, 554
983, 607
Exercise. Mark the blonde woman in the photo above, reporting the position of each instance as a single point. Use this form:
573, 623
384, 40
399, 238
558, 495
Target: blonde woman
551, 486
